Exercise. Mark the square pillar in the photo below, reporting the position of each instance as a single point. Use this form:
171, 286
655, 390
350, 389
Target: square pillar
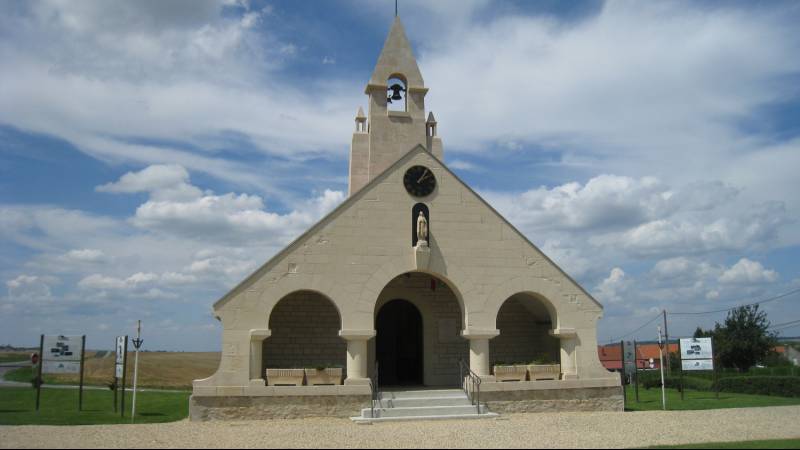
569, 339
256, 354
357, 355
479, 351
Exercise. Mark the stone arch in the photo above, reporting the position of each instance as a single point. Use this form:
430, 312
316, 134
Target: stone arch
265, 301
304, 333
440, 319
524, 322
397, 79
546, 291
455, 278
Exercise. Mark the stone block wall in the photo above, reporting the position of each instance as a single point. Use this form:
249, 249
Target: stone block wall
305, 334
523, 337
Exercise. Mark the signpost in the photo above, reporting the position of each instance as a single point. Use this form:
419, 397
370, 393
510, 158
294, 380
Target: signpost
136, 343
120, 365
696, 354
661, 363
61, 354
628, 365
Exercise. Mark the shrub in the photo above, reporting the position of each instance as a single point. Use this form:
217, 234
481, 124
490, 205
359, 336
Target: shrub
775, 386
653, 380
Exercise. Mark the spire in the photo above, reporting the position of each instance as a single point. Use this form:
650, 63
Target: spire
431, 120
397, 58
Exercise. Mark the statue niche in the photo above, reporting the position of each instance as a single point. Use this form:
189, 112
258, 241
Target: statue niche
420, 225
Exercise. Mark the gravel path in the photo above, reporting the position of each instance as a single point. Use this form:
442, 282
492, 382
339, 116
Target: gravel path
543, 430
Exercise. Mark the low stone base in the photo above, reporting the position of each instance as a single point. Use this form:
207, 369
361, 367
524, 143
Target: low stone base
202, 408
555, 400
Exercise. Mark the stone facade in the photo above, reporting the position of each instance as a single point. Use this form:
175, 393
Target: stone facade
361, 256
555, 400
203, 408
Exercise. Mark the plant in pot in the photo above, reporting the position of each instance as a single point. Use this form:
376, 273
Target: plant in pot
543, 367
327, 374
509, 371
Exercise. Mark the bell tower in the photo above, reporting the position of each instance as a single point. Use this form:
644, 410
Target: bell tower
395, 121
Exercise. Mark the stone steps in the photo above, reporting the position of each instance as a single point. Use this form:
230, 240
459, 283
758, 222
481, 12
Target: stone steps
423, 405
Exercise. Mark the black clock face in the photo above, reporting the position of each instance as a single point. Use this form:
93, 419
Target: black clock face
419, 181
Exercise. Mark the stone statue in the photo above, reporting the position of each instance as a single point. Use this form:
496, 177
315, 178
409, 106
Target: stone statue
422, 229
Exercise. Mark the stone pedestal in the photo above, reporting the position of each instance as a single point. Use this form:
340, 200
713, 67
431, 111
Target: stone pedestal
357, 355
479, 351
422, 255
568, 338
256, 351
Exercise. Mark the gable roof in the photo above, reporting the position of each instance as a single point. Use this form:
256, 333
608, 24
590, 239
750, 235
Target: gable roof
355, 197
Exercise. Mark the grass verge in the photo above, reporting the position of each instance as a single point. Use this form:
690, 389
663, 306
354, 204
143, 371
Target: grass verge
60, 407
778, 443
650, 400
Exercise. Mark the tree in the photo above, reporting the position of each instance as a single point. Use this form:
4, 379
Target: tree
744, 340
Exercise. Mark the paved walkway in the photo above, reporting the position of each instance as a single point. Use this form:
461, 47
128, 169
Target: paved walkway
542, 430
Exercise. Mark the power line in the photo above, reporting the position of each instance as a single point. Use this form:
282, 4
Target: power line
780, 325
760, 302
634, 331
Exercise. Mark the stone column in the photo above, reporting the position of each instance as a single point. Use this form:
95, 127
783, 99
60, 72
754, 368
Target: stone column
569, 340
357, 355
256, 355
479, 351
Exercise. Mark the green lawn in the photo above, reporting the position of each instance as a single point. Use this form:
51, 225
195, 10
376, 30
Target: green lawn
650, 399
60, 407
12, 358
786, 443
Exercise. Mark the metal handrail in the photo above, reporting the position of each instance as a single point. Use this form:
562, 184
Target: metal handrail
470, 384
375, 388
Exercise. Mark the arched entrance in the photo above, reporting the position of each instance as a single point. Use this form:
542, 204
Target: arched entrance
399, 344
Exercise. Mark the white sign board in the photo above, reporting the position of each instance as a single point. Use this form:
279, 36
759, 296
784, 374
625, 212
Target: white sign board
697, 364
61, 367
696, 348
62, 354
121, 347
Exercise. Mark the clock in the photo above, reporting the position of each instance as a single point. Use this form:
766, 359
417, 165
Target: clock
419, 181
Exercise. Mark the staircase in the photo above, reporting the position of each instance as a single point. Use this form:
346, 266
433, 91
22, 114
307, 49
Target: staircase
423, 405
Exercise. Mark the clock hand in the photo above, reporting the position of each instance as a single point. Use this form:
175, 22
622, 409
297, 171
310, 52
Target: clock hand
424, 175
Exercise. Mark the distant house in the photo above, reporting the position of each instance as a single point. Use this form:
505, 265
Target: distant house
611, 356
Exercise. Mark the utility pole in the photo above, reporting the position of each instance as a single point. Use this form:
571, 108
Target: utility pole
666, 338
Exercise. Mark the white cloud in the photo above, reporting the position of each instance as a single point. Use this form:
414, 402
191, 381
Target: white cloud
86, 255
605, 201
613, 288
748, 272
163, 182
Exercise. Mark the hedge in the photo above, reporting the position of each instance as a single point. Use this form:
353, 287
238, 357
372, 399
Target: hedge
653, 380
776, 386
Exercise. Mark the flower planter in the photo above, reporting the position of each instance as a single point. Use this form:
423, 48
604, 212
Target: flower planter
285, 377
544, 371
510, 373
327, 376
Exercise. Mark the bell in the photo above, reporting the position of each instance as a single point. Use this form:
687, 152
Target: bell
396, 89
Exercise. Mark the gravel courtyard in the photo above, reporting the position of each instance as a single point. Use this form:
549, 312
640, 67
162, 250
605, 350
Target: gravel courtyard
543, 430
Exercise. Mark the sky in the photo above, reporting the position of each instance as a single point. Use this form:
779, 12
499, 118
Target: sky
153, 154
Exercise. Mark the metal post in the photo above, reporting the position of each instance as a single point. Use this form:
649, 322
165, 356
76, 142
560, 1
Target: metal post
636, 366
624, 375
661, 363
80, 388
124, 374
136, 343
666, 338
39, 373
683, 389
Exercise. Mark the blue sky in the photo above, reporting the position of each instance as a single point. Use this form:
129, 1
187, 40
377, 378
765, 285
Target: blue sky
153, 154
